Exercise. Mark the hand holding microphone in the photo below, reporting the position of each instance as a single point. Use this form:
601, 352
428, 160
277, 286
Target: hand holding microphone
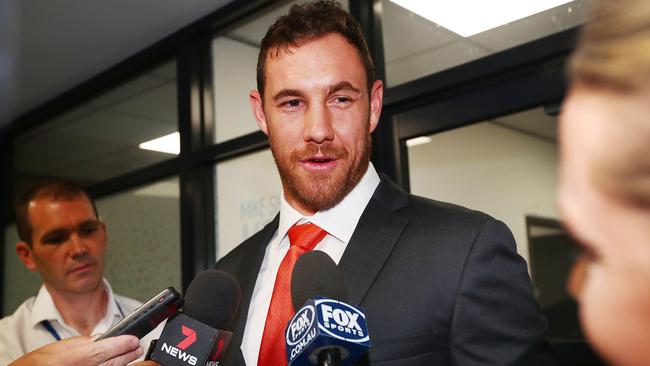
324, 331
198, 335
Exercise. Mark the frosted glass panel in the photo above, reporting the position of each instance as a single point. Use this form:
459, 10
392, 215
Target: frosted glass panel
248, 197
143, 224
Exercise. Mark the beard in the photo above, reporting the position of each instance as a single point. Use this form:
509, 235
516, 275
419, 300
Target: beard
322, 191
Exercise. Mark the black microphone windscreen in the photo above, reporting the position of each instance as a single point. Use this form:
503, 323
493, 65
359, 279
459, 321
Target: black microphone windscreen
213, 299
316, 274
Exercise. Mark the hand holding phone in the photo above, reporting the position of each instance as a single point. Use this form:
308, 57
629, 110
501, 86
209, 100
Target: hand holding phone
147, 317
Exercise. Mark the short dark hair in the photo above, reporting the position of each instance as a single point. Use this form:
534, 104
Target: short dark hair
57, 191
311, 21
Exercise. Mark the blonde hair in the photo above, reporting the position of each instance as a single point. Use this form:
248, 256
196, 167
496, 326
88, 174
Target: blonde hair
614, 47
613, 52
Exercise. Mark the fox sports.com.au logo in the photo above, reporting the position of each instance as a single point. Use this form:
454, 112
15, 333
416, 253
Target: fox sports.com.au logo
342, 321
300, 325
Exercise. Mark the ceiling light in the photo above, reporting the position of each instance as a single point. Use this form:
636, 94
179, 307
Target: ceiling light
470, 17
169, 144
418, 141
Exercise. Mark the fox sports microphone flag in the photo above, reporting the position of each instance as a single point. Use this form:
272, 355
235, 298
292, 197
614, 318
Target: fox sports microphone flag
324, 324
324, 328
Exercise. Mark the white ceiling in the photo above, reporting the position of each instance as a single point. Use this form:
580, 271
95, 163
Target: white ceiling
59, 44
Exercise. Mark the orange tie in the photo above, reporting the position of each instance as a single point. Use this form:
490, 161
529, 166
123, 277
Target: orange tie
302, 238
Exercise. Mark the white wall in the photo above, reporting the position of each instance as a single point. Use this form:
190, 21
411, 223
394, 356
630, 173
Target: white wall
489, 168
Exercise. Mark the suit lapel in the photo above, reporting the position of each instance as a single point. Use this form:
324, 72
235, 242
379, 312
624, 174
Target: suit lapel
373, 240
247, 277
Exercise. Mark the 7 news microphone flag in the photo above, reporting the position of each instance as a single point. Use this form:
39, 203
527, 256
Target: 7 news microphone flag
198, 336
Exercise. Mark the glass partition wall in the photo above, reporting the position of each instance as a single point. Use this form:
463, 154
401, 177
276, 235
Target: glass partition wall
505, 167
486, 112
102, 139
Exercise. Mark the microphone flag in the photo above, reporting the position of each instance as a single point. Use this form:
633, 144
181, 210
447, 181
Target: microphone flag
186, 341
323, 323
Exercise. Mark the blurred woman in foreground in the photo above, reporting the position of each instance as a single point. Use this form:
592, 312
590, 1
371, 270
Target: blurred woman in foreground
605, 178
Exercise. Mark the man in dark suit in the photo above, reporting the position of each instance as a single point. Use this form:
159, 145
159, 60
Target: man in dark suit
440, 284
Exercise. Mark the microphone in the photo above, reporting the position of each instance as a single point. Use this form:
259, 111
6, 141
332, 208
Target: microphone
197, 336
325, 331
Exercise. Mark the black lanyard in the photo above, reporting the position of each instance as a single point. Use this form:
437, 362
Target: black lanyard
48, 326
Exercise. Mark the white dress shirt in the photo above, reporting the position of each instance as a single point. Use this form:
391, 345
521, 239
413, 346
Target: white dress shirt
24, 330
339, 222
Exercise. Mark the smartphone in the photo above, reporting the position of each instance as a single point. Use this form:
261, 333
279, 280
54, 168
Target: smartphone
147, 317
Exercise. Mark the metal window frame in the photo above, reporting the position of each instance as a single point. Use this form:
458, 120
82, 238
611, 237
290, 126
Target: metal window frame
511, 81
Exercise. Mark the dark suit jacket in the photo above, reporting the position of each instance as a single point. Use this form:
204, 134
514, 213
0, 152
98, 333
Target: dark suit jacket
440, 285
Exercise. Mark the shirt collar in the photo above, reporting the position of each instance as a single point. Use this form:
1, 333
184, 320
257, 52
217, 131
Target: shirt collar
45, 309
112, 308
340, 220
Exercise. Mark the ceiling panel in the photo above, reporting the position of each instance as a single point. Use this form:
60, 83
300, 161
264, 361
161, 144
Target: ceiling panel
132, 158
540, 25
157, 105
415, 47
117, 127
252, 31
433, 60
417, 34
167, 71
91, 172
99, 140
58, 121
534, 122
41, 163
67, 147
124, 92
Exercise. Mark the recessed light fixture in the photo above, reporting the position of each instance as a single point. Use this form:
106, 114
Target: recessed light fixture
169, 144
470, 17
418, 141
